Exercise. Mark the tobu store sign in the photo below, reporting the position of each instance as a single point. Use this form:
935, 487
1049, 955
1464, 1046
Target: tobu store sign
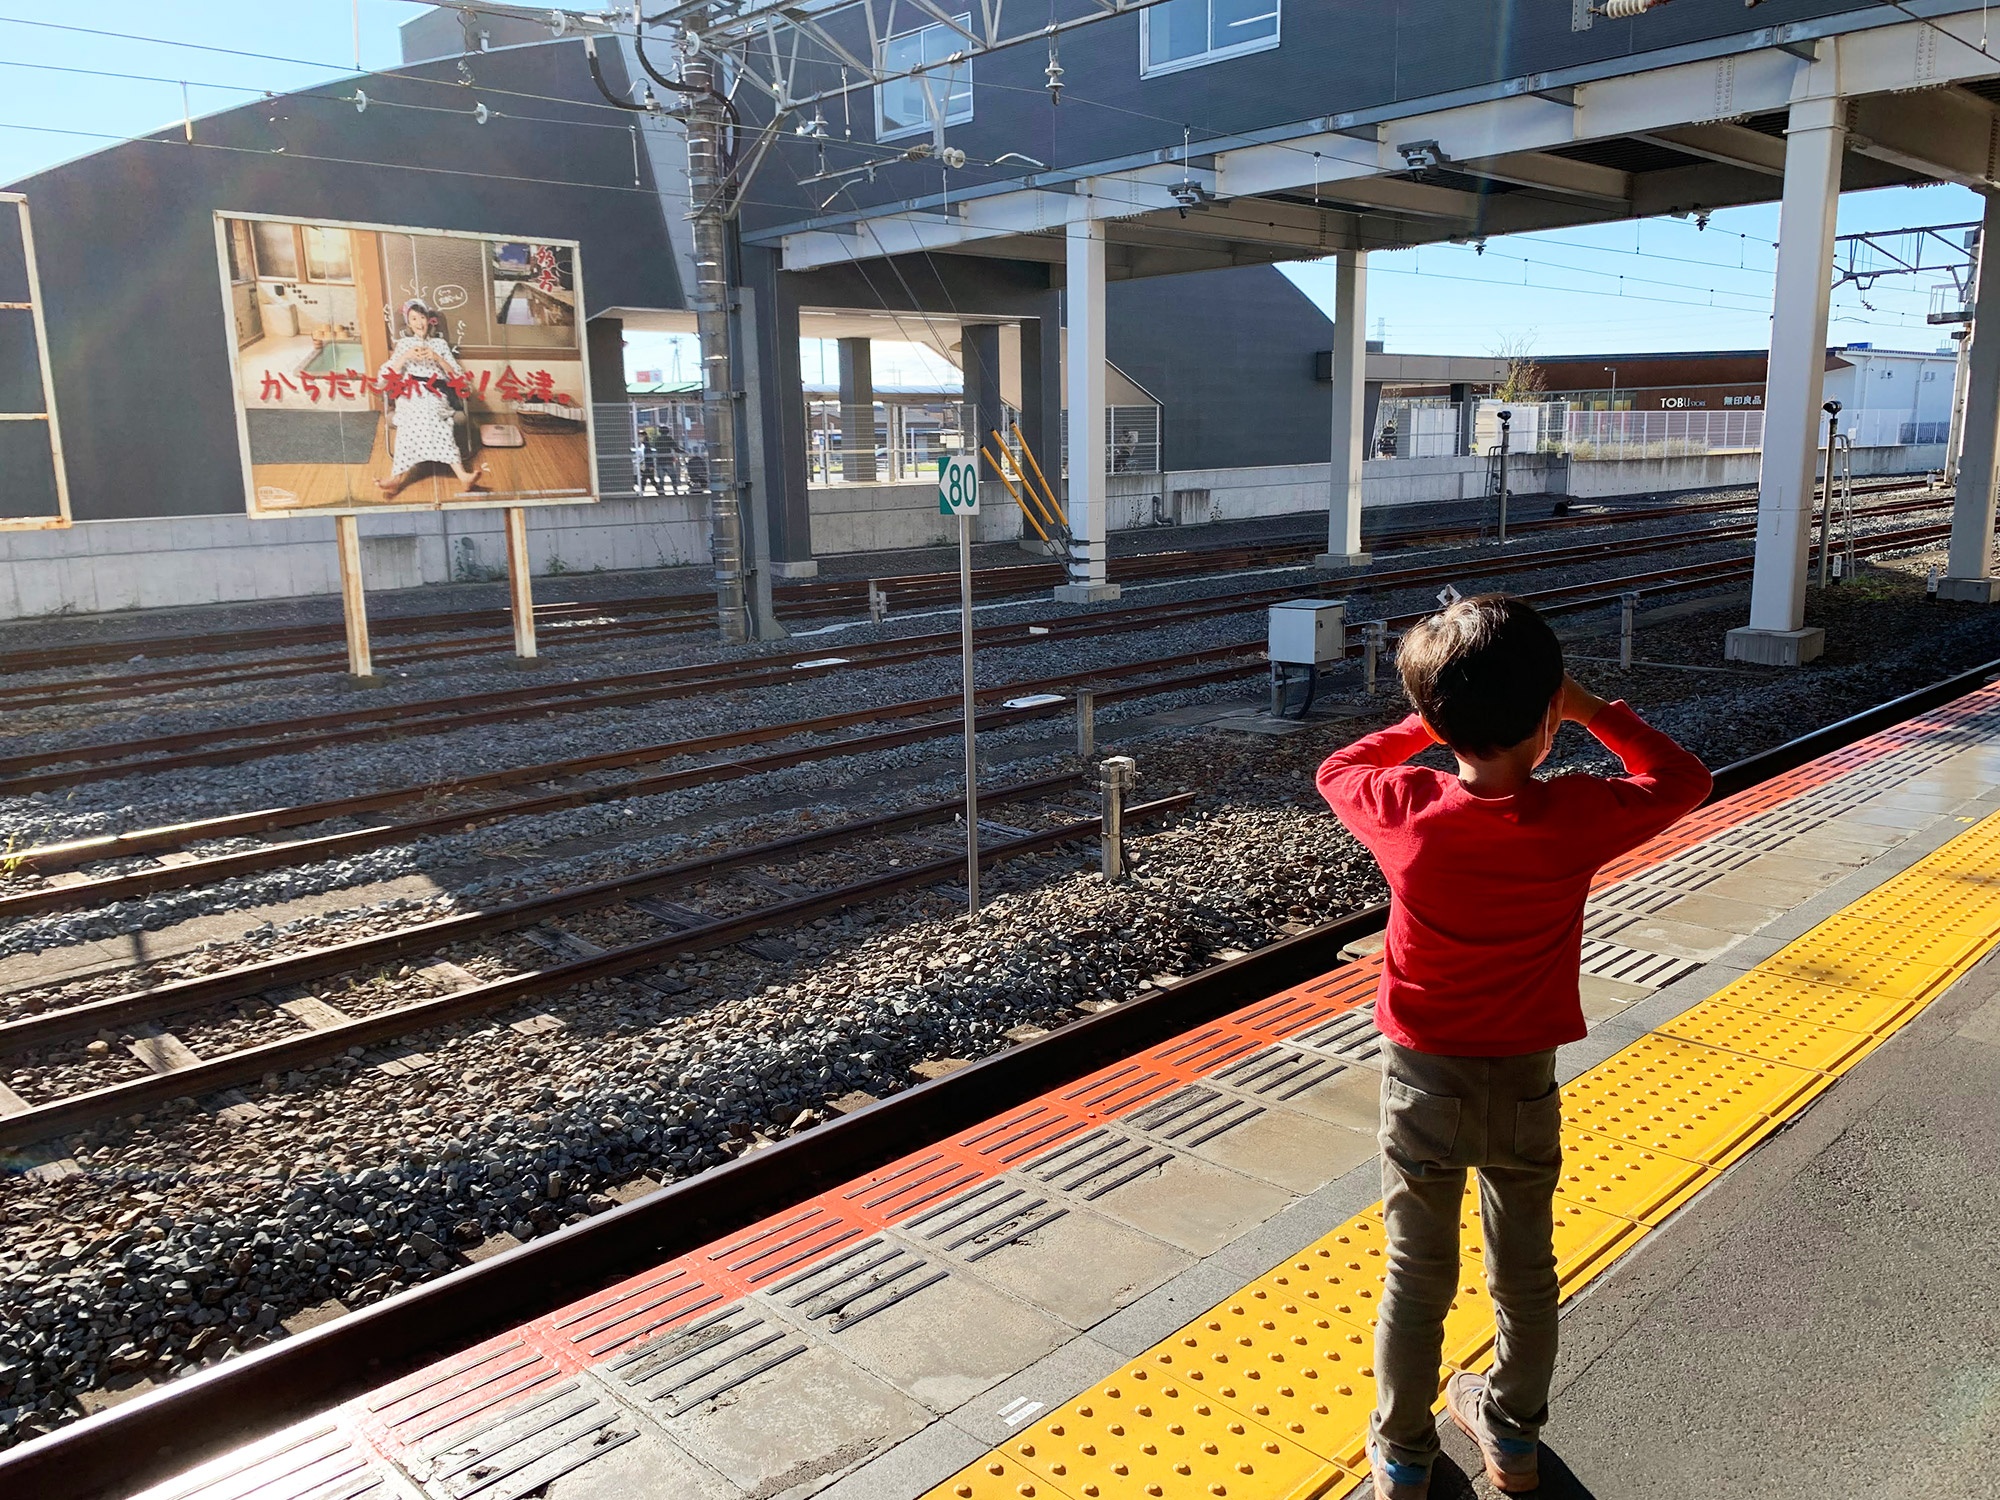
379, 368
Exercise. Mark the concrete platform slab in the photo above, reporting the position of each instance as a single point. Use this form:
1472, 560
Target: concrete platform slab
797, 1425
1352, 1099
1678, 939
1193, 1204
647, 1467
1757, 886
949, 1341
1796, 870
1707, 910
1082, 1267
1292, 1150
1004, 1410
913, 1466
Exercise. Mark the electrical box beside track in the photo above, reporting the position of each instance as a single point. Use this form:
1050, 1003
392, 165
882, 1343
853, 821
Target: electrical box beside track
1308, 632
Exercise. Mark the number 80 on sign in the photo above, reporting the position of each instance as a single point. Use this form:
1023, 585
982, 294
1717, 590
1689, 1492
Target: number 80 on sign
958, 486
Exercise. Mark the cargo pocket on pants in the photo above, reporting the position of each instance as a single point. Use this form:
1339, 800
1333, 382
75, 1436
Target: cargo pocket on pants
1418, 1129
1538, 1129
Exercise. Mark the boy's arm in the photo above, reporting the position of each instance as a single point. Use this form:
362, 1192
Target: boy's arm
1662, 781
1350, 778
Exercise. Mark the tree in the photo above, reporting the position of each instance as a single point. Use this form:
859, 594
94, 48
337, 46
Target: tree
1526, 379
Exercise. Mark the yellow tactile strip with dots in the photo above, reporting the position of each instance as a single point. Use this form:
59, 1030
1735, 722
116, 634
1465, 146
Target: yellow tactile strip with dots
1267, 1394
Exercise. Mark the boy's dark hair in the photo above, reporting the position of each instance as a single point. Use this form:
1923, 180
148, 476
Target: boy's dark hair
1482, 672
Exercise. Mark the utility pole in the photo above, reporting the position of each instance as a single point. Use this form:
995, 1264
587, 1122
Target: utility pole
708, 190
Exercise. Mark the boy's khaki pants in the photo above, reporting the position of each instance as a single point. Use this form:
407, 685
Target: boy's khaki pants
1441, 1115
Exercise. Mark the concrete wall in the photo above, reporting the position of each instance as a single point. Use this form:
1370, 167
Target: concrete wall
895, 517
144, 564
1601, 478
1597, 478
110, 565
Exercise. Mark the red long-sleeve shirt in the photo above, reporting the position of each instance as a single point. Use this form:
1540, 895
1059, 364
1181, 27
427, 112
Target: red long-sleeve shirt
1486, 916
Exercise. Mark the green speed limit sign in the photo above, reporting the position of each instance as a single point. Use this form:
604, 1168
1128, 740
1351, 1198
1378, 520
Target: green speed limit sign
958, 486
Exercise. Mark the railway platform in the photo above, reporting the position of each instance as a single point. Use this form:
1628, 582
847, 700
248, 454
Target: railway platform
1155, 1278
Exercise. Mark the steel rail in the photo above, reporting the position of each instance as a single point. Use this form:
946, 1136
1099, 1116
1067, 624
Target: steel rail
167, 1431
441, 715
270, 973
52, 857
249, 1064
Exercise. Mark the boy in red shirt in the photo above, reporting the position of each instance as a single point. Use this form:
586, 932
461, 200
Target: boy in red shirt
1488, 871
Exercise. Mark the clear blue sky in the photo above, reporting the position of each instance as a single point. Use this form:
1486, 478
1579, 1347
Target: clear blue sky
1558, 293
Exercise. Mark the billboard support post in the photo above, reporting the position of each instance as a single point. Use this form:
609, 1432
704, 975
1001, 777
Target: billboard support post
520, 585
353, 602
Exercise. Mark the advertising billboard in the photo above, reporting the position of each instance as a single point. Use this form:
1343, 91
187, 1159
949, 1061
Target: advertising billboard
380, 368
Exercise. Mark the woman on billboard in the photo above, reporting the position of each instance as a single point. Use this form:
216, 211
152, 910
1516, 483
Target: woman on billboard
425, 408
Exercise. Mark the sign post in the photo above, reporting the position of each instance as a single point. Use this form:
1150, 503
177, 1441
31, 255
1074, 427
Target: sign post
958, 495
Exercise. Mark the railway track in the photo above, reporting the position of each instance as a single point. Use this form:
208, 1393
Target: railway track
52, 858
587, 622
77, 765
179, 1072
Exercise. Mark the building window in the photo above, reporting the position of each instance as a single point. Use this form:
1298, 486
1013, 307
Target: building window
907, 106
329, 254
1190, 33
277, 250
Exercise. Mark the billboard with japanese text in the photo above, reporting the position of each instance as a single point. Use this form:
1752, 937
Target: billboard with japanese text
383, 368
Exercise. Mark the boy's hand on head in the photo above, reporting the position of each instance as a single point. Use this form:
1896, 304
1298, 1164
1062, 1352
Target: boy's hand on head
1579, 704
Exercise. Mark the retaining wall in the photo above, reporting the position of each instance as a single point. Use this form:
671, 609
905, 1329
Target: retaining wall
97, 566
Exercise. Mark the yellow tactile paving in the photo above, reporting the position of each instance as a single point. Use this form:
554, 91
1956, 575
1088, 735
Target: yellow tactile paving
1781, 995
1620, 1178
1969, 909
1279, 1376
1803, 1044
1325, 1278
1915, 942
1284, 1363
1679, 1097
1866, 974
1145, 1432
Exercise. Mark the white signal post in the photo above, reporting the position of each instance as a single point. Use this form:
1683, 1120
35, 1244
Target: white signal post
958, 495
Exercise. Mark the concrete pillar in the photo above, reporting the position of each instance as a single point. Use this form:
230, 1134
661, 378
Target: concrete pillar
1468, 416
1042, 383
604, 348
1968, 572
1084, 307
1350, 433
858, 435
979, 356
1777, 634
775, 415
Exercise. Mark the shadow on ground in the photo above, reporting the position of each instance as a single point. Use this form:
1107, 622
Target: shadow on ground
1460, 1476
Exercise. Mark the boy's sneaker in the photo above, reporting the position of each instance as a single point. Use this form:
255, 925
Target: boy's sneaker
1511, 1465
1394, 1481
